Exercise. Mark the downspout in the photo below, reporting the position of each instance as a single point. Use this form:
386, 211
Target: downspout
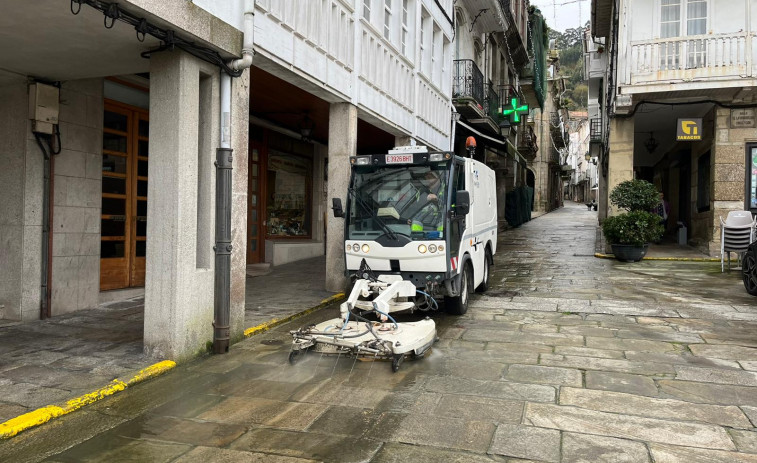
224, 159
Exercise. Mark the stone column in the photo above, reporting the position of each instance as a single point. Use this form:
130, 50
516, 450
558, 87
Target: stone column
184, 108
728, 173
21, 186
240, 134
621, 155
342, 145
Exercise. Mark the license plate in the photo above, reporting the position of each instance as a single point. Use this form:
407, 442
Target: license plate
399, 159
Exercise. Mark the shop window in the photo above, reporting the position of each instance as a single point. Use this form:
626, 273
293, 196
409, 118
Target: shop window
751, 177
703, 183
288, 207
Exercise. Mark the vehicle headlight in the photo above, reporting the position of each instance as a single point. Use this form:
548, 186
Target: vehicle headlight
356, 247
366, 248
431, 248
348, 248
422, 249
441, 247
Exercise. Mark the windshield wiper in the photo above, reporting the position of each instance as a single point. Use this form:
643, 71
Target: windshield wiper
369, 210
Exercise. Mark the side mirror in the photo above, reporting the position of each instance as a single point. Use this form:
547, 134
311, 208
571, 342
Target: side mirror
462, 203
336, 206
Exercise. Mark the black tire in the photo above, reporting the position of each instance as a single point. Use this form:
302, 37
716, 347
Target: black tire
458, 305
487, 272
749, 270
293, 356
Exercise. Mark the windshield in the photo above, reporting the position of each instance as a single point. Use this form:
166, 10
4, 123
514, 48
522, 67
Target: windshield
407, 200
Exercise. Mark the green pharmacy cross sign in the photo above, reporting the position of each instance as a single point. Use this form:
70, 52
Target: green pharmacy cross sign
515, 111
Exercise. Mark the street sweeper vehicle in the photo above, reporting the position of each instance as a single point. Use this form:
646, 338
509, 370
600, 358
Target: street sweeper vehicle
420, 227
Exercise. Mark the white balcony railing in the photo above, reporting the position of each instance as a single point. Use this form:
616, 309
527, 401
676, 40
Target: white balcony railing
692, 57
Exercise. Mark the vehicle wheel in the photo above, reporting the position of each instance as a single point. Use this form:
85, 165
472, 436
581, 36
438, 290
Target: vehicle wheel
458, 305
397, 362
749, 271
487, 272
293, 356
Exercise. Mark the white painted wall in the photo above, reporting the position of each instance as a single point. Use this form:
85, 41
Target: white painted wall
343, 56
640, 23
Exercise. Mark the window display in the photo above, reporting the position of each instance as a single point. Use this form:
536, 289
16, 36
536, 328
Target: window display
288, 206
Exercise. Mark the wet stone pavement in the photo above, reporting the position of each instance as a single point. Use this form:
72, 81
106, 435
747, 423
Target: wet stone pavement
569, 358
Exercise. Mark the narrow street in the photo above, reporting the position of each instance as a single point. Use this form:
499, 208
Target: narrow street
568, 358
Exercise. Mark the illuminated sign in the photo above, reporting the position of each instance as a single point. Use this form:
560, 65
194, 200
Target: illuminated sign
514, 111
689, 129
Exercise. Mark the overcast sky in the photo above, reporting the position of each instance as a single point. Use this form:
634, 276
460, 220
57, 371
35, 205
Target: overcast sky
563, 14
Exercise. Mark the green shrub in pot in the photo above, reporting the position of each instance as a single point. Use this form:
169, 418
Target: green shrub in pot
638, 226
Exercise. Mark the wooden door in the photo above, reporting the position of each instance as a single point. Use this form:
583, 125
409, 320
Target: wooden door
124, 196
255, 207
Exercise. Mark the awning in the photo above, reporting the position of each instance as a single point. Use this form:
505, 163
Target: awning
506, 143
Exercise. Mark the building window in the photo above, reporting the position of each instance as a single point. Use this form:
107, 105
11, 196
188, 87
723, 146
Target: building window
367, 10
670, 18
703, 182
404, 26
682, 18
288, 206
751, 177
387, 19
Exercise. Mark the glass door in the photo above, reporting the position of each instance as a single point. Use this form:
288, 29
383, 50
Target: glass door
124, 197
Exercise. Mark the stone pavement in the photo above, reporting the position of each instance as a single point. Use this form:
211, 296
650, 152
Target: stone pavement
54, 360
569, 358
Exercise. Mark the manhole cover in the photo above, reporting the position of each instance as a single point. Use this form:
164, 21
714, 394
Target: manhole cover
272, 342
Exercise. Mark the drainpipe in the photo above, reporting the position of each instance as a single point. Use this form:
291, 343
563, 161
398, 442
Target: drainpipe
224, 159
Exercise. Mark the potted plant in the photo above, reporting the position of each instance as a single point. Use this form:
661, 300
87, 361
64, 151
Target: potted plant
600, 49
630, 233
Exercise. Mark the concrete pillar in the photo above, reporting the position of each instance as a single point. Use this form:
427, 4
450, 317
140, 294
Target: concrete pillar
21, 182
342, 145
78, 198
240, 133
184, 107
620, 166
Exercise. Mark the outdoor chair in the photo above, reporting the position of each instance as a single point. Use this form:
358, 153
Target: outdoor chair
736, 233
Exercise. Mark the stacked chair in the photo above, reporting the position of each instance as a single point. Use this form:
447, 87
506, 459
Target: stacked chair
736, 233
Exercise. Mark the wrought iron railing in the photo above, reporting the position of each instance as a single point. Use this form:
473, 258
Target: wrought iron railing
468, 81
492, 101
595, 130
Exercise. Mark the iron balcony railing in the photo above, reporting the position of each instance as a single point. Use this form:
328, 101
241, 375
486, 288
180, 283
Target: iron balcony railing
492, 101
468, 81
595, 130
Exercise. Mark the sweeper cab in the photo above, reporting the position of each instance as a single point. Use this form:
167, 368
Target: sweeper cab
420, 228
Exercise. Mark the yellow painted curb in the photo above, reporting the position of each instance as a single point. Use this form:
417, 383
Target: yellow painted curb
263, 327
42, 415
674, 259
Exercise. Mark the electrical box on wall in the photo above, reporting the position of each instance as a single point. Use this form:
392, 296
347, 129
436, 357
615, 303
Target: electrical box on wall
43, 107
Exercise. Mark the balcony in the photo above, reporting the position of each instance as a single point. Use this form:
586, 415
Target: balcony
595, 130
468, 82
527, 145
557, 132
690, 59
515, 38
478, 103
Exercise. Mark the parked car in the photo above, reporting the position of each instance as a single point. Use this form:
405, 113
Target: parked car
749, 269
